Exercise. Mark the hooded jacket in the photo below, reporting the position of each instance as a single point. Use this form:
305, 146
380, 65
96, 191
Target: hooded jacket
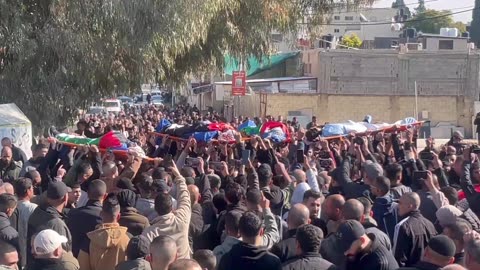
47, 217
244, 256
104, 248
385, 214
7, 232
175, 224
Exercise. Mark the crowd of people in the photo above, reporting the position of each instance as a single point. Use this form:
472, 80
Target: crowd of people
360, 202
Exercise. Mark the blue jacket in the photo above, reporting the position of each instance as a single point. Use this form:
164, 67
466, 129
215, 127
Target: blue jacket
385, 214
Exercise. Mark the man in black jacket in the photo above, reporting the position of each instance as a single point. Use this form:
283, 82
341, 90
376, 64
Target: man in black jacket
308, 238
18, 154
438, 254
313, 201
359, 210
248, 254
8, 234
363, 251
413, 232
235, 196
287, 248
84, 219
9, 168
48, 215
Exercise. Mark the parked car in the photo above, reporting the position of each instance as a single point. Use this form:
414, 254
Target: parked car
113, 105
126, 101
95, 110
157, 100
156, 93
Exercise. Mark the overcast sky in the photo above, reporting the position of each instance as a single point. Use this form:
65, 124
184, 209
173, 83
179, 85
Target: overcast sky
456, 5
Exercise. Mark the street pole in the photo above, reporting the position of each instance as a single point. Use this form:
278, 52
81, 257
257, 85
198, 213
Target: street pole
416, 101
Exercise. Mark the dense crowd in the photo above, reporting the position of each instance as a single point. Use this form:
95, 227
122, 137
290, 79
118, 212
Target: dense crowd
359, 202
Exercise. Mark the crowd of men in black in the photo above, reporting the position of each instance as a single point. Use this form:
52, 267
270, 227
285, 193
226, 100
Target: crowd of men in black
361, 202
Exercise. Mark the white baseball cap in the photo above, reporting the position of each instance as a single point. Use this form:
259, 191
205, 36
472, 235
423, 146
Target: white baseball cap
47, 241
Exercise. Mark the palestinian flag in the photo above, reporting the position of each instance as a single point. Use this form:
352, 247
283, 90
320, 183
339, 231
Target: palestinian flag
111, 140
275, 131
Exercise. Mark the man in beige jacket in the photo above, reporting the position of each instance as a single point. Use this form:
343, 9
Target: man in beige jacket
169, 223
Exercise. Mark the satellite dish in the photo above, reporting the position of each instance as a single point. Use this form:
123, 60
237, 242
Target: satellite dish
363, 18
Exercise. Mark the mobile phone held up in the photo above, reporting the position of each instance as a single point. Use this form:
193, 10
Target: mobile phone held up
245, 157
168, 161
192, 162
420, 176
300, 156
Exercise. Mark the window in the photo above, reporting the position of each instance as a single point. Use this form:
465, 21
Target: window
336, 30
445, 44
348, 18
336, 18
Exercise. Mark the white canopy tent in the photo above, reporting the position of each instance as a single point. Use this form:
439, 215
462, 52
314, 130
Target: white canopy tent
15, 125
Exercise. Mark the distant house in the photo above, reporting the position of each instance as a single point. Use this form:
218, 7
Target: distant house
433, 43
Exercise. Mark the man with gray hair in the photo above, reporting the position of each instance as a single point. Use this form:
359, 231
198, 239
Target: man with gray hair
413, 232
287, 248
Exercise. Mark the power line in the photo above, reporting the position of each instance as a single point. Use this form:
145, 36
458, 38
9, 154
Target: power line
390, 22
365, 9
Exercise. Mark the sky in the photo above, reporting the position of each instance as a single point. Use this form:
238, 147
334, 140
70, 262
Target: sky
456, 5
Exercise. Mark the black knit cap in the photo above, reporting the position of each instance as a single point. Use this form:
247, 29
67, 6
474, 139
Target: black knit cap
138, 247
442, 245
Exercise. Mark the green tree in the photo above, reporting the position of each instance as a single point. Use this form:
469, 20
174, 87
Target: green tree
400, 5
460, 26
59, 55
431, 21
421, 7
351, 41
475, 26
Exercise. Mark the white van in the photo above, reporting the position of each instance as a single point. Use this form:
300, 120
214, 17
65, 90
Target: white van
112, 106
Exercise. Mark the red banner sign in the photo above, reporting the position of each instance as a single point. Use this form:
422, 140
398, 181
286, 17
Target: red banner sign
239, 84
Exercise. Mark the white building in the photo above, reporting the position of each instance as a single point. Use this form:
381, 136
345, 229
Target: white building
366, 23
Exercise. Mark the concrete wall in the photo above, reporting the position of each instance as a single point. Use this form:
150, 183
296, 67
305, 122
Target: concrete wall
387, 72
339, 108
